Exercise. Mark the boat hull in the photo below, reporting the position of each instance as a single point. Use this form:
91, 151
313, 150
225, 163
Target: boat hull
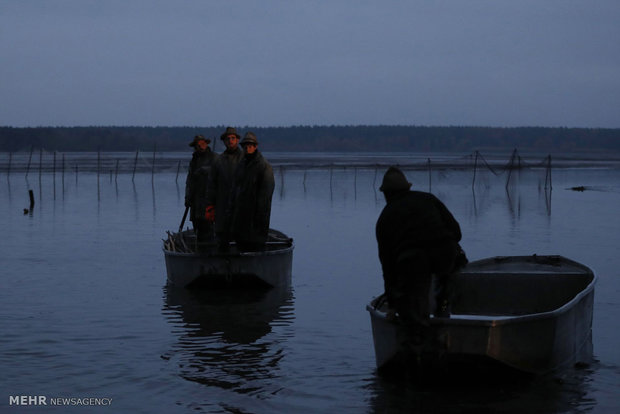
233, 268
531, 314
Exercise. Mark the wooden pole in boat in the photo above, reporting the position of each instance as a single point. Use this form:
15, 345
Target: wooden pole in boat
183, 220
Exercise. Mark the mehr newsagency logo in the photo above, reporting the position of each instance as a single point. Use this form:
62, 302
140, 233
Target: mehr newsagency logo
39, 400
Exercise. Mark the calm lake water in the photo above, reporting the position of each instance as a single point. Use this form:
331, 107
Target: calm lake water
86, 313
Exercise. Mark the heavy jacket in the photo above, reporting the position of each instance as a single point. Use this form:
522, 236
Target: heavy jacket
196, 182
220, 186
413, 221
250, 203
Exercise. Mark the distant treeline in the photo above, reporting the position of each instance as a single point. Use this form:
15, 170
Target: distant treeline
314, 138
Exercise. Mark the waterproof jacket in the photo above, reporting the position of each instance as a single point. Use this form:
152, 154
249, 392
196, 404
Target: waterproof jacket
196, 182
250, 203
220, 186
413, 220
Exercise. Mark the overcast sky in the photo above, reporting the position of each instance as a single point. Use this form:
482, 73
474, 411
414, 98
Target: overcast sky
294, 62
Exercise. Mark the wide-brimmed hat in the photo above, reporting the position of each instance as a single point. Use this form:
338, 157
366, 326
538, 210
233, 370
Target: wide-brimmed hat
198, 138
229, 131
249, 138
394, 180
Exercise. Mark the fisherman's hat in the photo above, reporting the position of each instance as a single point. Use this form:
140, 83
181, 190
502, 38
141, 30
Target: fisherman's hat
249, 138
394, 180
198, 138
229, 131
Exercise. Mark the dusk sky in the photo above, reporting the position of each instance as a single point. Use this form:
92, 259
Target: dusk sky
332, 62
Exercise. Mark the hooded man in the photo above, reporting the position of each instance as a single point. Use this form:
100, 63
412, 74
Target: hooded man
220, 186
417, 237
196, 185
251, 198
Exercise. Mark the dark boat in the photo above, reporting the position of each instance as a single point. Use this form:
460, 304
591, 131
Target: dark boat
192, 264
526, 314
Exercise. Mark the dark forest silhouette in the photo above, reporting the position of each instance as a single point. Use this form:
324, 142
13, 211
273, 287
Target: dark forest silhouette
315, 138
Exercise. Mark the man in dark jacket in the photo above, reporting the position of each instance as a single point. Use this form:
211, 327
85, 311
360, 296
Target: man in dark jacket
251, 199
196, 186
417, 237
220, 186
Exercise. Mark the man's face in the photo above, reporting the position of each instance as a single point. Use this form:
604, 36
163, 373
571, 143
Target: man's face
249, 148
231, 142
201, 145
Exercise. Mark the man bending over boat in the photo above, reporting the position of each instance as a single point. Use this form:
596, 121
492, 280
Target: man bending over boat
417, 237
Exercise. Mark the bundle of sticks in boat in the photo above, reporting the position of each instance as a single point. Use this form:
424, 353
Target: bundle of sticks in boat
176, 243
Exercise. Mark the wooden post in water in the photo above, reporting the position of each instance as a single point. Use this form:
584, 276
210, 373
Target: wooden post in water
511, 166
29, 160
304, 181
116, 174
429, 175
548, 173
178, 169
8, 171
135, 163
281, 180
31, 196
153, 166
355, 183
473, 181
40, 161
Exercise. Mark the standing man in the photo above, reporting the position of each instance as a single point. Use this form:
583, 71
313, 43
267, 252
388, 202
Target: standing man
220, 186
417, 236
196, 186
251, 198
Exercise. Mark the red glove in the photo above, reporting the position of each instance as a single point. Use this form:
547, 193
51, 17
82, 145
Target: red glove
210, 213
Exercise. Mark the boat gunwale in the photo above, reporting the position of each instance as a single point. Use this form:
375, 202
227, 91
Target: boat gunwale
497, 320
232, 254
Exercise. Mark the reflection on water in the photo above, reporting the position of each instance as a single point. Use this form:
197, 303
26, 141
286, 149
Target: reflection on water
550, 394
224, 335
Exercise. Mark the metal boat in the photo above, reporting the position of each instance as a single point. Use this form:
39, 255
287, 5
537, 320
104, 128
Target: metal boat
192, 264
527, 314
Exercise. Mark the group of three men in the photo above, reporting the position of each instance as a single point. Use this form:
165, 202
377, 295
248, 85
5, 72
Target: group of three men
229, 195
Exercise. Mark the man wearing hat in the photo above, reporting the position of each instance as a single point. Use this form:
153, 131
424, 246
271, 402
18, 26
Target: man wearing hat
417, 237
251, 199
196, 185
220, 186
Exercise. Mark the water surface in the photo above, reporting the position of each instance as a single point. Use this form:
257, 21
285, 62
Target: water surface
86, 312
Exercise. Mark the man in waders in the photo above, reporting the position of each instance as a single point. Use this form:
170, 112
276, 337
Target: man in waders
251, 198
196, 186
417, 237
220, 186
